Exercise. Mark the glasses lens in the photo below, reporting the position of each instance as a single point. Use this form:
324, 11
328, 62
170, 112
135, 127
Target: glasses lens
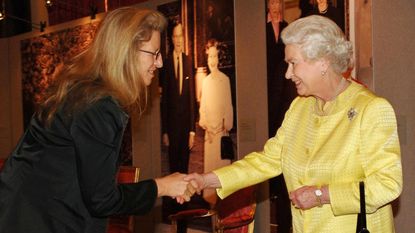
157, 55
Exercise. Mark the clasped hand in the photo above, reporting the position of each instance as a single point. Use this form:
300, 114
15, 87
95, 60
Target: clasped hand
175, 186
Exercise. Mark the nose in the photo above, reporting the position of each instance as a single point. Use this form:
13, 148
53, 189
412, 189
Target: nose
158, 62
289, 73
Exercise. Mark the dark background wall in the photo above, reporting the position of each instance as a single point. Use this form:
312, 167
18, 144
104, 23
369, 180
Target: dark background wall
17, 17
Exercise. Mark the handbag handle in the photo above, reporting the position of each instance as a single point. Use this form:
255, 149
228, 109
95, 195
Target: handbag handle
361, 217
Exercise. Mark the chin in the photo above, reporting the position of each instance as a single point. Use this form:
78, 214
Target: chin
147, 81
301, 92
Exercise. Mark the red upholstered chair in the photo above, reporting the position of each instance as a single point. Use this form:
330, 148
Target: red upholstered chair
124, 224
2, 161
234, 214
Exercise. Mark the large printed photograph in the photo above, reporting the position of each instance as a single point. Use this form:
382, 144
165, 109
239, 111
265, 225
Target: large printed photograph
197, 89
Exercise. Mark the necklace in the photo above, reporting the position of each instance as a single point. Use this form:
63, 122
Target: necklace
324, 108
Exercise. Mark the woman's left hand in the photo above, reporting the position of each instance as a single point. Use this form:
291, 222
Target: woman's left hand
306, 198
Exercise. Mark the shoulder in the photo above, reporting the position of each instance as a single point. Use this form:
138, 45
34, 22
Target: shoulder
103, 120
371, 105
299, 108
223, 76
105, 109
364, 96
185, 56
107, 103
300, 101
207, 78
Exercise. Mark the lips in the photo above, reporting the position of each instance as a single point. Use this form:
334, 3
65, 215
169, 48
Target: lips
297, 83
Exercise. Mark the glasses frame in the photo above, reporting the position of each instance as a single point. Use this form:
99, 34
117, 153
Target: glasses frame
156, 54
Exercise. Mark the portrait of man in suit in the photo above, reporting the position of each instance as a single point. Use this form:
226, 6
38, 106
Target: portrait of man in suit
178, 104
178, 107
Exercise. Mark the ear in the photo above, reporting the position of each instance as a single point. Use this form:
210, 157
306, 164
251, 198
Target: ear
324, 64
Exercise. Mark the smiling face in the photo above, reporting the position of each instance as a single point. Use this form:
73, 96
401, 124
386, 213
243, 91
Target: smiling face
149, 63
178, 39
305, 74
212, 58
321, 2
274, 8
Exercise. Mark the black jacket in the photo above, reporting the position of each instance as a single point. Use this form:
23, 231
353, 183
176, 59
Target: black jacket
62, 178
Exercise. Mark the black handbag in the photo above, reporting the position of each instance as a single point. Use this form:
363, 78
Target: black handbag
361, 217
227, 148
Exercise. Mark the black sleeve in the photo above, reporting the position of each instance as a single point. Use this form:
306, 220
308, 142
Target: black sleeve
97, 134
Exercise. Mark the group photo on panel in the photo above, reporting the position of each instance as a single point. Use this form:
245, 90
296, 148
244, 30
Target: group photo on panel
332, 156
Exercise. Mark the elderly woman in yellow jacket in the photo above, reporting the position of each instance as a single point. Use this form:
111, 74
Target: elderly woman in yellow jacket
334, 135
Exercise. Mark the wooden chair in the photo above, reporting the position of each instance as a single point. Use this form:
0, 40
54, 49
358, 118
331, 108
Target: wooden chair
124, 224
234, 214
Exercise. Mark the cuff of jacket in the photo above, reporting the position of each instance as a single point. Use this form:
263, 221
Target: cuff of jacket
140, 197
225, 176
344, 198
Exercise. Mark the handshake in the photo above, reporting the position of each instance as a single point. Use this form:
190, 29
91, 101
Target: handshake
181, 186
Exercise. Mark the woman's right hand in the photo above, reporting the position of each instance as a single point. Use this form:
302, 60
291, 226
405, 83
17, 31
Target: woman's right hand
176, 187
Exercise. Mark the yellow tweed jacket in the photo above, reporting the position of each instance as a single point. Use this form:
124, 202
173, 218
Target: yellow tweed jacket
357, 141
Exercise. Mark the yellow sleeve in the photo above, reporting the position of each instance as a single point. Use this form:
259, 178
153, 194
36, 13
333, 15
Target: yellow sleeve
254, 168
380, 159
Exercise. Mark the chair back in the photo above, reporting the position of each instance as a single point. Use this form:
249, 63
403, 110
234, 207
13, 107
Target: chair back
124, 224
2, 161
234, 214
237, 211
128, 174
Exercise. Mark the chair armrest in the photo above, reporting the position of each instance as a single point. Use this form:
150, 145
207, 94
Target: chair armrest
193, 213
235, 222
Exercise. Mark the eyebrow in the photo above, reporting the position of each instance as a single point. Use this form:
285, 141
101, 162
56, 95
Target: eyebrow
288, 59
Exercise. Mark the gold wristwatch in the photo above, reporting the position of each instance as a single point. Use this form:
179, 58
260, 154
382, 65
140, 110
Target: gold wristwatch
318, 194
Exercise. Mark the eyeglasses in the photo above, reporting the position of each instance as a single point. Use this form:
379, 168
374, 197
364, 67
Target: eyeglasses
156, 54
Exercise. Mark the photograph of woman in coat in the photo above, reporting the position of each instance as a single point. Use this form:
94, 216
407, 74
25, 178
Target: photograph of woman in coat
216, 114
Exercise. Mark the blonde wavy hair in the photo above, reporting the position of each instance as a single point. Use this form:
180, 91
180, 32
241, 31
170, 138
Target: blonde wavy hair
108, 67
319, 37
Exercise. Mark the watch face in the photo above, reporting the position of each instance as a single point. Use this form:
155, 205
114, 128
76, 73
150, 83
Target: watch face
318, 192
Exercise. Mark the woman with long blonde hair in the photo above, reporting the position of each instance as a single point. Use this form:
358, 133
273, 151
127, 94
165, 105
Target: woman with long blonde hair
61, 176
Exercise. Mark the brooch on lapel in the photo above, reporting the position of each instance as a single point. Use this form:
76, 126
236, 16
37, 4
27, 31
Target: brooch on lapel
351, 114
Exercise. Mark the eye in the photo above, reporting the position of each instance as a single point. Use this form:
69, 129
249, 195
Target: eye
291, 63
